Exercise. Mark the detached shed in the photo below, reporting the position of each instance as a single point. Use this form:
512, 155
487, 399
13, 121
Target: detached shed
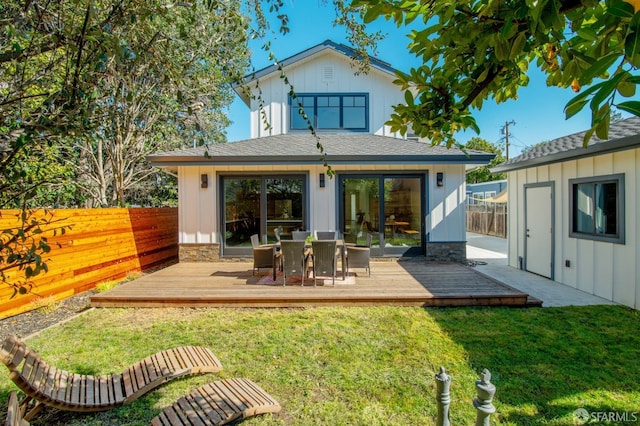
574, 212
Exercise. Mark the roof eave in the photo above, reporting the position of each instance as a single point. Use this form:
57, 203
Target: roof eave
621, 144
173, 161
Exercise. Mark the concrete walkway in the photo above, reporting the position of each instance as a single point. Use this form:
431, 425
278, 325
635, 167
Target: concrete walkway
493, 252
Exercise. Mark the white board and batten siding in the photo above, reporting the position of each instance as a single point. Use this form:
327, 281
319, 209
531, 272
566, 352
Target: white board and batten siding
200, 210
330, 72
604, 269
446, 213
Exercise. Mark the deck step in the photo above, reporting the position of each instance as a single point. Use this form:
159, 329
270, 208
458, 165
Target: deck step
533, 302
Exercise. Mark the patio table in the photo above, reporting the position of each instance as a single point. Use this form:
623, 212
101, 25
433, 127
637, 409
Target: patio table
341, 244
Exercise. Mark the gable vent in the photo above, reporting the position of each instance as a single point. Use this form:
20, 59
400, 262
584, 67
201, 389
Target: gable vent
327, 73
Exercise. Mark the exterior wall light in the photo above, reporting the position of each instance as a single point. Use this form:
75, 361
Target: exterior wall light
322, 183
204, 181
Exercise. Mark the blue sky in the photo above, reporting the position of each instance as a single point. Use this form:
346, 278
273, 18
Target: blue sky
538, 112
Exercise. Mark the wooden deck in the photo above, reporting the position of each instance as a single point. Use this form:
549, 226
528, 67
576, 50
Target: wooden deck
413, 282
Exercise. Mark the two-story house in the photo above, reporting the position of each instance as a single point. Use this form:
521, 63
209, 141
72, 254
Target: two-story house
408, 194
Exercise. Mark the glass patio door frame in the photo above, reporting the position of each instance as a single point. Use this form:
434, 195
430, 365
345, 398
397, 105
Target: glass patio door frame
382, 249
244, 251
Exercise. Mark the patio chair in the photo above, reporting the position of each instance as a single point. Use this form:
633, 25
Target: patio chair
359, 256
325, 259
218, 403
299, 235
293, 258
325, 235
47, 385
263, 257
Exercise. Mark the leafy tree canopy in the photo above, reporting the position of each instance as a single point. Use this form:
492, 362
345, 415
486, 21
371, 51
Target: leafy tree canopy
480, 49
483, 174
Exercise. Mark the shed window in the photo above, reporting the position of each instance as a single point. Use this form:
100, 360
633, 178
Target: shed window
336, 111
597, 208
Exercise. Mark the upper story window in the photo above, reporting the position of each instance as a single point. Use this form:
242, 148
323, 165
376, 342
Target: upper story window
597, 208
334, 111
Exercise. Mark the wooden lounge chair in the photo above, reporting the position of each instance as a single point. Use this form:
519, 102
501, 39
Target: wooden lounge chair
218, 403
14, 414
48, 385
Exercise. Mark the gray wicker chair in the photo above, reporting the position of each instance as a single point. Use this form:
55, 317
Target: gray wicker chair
325, 235
263, 257
325, 259
293, 259
359, 256
299, 235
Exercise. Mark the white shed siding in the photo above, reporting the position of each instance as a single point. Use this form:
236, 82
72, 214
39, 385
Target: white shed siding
307, 77
605, 269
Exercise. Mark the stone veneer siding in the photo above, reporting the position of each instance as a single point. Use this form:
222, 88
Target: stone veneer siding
199, 252
455, 251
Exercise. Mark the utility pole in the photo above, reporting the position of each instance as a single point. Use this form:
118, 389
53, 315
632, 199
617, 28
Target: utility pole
505, 132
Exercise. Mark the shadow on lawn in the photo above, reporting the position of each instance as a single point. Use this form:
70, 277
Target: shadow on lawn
556, 359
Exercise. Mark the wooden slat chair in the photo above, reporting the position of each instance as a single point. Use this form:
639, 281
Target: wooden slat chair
50, 386
218, 403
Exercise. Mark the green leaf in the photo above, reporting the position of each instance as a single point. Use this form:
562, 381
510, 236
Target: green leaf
518, 45
574, 108
626, 88
502, 49
632, 44
599, 68
408, 97
605, 91
583, 95
621, 9
631, 106
587, 136
602, 128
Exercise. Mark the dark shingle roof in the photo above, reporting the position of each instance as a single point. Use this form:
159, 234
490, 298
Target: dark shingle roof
623, 134
300, 148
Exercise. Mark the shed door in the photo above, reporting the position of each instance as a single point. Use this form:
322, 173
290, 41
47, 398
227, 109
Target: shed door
538, 230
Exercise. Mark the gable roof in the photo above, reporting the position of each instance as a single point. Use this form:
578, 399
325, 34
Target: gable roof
305, 54
623, 134
300, 148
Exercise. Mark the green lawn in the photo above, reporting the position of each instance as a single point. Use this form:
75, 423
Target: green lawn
369, 366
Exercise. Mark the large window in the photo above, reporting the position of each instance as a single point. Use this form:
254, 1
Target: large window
260, 205
597, 208
336, 111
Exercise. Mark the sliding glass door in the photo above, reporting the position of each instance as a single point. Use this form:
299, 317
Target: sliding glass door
390, 207
260, 205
